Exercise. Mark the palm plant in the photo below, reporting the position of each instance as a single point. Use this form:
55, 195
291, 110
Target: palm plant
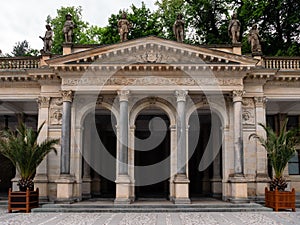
280, 149
24, 151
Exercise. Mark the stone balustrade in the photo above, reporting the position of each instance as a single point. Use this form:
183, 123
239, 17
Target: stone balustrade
26, 62
283, 63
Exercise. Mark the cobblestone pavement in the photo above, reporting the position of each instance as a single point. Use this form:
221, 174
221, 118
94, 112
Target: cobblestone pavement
259, 218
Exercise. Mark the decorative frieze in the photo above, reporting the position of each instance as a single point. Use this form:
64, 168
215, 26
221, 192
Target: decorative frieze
151, 80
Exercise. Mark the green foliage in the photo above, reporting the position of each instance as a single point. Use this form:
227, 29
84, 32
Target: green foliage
280, 147
23, 49
21, 147
57, 25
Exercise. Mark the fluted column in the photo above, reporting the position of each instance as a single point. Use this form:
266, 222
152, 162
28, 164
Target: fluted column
181, 131
123, 180
238, 132
239, 192
66, 132
181, 181
65, 189
123, 138
41, 177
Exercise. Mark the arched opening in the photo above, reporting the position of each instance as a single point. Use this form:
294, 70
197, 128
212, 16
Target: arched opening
205, 182
100, 141
152, 146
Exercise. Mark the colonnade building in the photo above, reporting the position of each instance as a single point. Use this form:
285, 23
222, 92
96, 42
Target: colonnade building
151, 118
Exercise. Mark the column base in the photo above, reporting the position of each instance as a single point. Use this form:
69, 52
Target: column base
262, 181
122, 190
239, 191
181, 183
216, 187
41, 182
86, 187
65, 188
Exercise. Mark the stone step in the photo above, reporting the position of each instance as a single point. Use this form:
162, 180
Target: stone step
150, 210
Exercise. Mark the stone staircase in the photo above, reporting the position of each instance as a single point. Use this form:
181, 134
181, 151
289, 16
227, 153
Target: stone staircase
150, 207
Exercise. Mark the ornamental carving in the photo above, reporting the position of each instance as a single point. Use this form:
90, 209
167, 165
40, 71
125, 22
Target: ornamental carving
248, 102
152, 57
67, 96
55, 112
151, 80
248, 117
43, 102
181, 95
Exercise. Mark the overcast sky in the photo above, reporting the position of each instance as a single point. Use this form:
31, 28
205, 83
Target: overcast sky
25, 19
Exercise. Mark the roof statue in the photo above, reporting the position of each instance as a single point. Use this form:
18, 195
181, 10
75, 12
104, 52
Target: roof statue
234, 29
123, 27
254, 40
47, 39
68, 28
178, 28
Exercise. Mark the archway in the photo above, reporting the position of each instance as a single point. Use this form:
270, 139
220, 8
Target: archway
152, 124
205, 182
102, 186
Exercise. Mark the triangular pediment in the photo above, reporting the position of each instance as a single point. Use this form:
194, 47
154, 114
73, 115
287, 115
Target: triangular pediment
151, 50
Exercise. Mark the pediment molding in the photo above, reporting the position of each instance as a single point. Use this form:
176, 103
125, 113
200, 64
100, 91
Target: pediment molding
150, 52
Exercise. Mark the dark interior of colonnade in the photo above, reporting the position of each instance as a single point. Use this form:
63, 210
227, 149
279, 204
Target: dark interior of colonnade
152, 154
102, 170
200, 180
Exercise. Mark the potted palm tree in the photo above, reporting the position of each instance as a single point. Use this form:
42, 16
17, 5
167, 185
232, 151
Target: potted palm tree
280, 149
22, 148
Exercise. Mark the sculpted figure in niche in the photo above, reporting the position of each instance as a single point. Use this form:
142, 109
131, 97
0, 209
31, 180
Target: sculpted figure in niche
234, 29
123, 27
47, 39
254, 39
68, 28
178, 28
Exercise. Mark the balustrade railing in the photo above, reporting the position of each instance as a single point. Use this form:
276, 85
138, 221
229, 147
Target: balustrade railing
282, 63
28, 62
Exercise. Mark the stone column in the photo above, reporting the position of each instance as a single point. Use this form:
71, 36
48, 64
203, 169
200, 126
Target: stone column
262, 177
181, 181
87, 148
216, 181
41, 177
237, 180
65, 182
123, 180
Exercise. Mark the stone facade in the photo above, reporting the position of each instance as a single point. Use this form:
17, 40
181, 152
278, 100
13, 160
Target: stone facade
205, 100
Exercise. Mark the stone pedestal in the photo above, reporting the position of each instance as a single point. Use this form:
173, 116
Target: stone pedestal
67, 48
41, 182
45, 56
238, 186
181, 183
65, 188
122, 190
86, 187
237, 48
216, 187
262, 181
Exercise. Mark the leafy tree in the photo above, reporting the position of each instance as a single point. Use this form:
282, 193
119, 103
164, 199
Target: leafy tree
23, 49
279, 24
167, 14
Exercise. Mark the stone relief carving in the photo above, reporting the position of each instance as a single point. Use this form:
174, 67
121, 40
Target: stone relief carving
56, 111
144, 81
152, 57
43, 101
248, 117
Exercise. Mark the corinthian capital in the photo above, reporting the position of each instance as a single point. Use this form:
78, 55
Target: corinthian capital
67, 96
43, 101
181, 95
123, 95
238, 95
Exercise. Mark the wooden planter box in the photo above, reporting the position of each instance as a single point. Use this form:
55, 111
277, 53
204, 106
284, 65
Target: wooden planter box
280, 199
23, 200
